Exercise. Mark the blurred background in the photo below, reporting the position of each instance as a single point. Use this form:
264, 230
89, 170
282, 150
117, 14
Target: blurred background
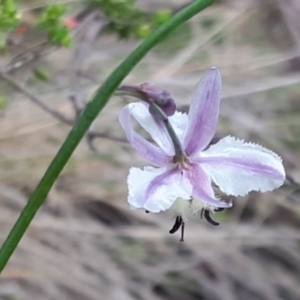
85, 243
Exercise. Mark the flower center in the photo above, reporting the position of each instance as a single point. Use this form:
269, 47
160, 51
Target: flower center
181, 160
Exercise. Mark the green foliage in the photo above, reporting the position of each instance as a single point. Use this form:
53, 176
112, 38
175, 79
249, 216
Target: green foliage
116, 8
3, 102
9, 19
40, 74
162, 16
51, 21
127, 20
154, 22
9, 15
143, 30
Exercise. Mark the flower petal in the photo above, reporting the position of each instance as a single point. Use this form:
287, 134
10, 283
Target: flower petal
156, 189
238, 167
149, 151
179, 122
155, 127
204, 112
202, 188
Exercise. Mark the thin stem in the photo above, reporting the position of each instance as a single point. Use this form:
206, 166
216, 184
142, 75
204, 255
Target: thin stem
122, 92
182, 232
92, 110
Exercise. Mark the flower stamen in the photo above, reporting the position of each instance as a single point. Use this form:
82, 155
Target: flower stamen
206, 213
181, 160
178, 223
182, 232
218, 209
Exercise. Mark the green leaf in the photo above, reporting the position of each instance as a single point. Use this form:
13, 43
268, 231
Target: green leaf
40, 74
3, 102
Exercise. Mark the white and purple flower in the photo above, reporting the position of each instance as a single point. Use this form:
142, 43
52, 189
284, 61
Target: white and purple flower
185, 183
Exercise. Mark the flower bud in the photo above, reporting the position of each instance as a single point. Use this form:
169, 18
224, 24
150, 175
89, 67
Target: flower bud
162, 98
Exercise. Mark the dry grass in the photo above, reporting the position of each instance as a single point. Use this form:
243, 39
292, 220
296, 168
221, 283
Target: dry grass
86, 244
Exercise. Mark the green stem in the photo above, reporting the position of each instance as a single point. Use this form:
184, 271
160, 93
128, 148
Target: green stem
90, 113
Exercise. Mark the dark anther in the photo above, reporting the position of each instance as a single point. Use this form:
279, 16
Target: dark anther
147, 211
201, 214
219, 209
209, 219
178, 223
182, 232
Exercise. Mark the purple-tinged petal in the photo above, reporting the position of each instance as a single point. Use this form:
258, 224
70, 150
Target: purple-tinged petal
149, 151
238, 167
156, 189
155, 127
202, 188
203, 113
179, 122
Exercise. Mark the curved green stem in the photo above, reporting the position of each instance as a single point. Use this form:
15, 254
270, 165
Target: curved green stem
90, 113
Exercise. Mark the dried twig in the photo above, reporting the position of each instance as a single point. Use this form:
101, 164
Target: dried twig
91, 135
290, 11
21, 88
84, 37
